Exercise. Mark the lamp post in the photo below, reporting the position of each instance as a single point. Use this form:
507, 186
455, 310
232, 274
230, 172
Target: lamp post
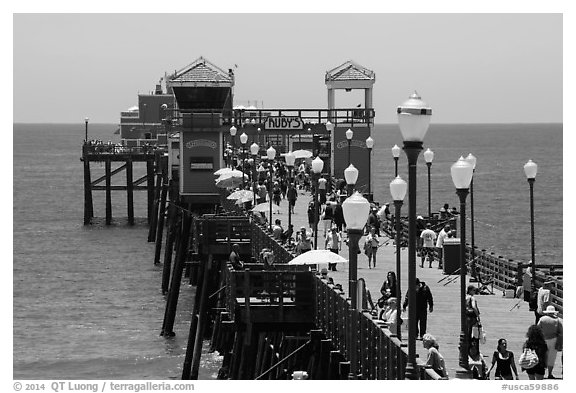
330, 129
350, 175
413, 119
233, 131
271, 153
530, 170
243, 140
290, 159
398, 189
86, 130
254, 149
369, 146
472, 160
461, 172
317, 165
355, 209
396, 155
428, 157
349, 136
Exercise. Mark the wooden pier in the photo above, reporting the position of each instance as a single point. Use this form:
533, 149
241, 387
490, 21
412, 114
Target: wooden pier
268, 324
124, 158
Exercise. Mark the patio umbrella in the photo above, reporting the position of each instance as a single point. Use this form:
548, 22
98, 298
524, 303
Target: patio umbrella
240, 194
230, 180
223, 171
315, 257
261, 207
245, 198
302, 153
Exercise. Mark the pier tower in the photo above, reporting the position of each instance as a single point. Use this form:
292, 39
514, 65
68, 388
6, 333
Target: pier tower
351, 76
203, 94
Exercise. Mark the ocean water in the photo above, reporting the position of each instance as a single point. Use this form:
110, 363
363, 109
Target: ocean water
87, 302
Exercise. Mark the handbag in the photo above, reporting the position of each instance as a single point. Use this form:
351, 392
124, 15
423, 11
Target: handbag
479, 333
528, 359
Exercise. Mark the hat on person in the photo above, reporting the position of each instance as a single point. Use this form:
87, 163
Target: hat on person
550, 310
302, 228
419, 218
548, 281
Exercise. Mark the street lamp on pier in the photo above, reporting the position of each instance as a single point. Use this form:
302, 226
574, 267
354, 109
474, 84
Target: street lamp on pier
461, 172
233, 131
530, 170
290, 160
317, 165
398, 189
369, 146
254, 149
472, 160
349, 136
271, 153
355, 209
413, 118
243, 140
330, 129
396, 155
351, 176
428, 157
86, 130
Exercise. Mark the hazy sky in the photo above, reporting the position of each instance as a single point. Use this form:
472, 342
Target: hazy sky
468, 67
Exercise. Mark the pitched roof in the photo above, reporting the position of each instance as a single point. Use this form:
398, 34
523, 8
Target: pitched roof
202, 71
350, 71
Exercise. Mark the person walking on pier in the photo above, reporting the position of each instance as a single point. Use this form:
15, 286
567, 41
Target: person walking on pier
428, 237
277, 196
388, 288
543, 299
292, 195
424, 300
371, 246
333, 243
339, 216
535, 341
443, 235
472, 311
476, 362
553, 332
328, 214
503, 359
435, 360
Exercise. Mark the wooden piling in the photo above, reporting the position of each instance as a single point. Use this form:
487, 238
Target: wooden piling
150, 189
108, 170
201, 324
130, 191
88, 204
160, 227
155, 209
172, 301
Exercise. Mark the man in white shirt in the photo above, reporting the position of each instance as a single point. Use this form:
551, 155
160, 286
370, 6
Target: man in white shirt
428, 237
440, 244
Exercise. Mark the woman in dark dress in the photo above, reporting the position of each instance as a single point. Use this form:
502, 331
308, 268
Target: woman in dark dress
535, 341
388, 288
503, 359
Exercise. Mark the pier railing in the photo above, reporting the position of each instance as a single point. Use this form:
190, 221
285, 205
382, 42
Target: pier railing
504, 273
379, 354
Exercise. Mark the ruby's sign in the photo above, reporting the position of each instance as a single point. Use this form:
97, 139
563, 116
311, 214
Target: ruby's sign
283, 123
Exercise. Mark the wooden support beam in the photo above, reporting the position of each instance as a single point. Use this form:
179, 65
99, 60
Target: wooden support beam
155, 207
161, 215
108, 175
129, 192
170, 238
172, 302
150, 185
88, 204
103, 178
